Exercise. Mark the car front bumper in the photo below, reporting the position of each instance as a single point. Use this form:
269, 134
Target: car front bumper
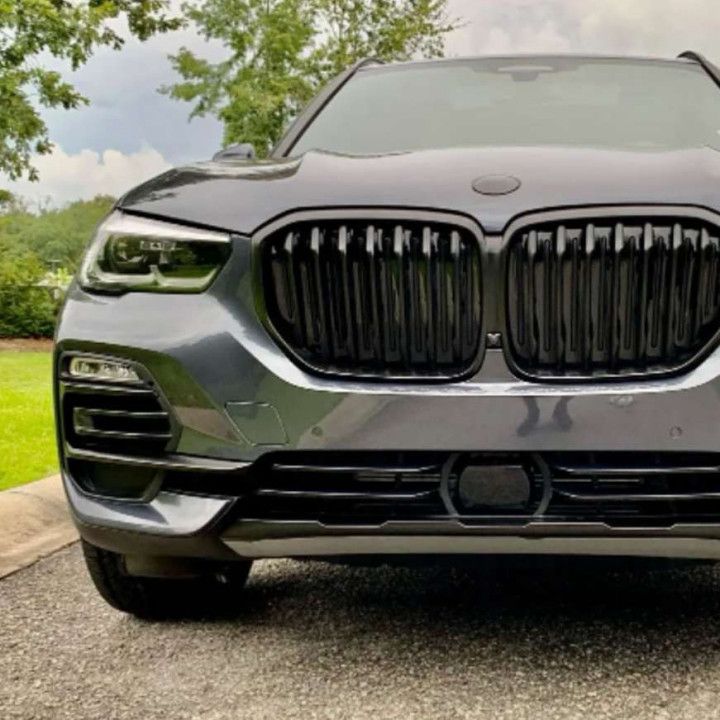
236, 397
191, 526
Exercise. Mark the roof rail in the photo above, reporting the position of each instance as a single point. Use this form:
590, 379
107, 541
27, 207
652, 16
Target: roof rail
707, 66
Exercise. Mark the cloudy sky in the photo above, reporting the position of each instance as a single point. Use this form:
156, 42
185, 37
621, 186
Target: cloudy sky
130, 132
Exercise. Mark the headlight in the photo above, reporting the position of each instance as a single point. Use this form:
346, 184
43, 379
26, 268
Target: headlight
133, 253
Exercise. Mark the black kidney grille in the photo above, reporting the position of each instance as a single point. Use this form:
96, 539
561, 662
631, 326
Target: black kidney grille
608, 298
376, 298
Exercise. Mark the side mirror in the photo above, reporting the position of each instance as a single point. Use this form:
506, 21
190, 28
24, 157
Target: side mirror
239, 151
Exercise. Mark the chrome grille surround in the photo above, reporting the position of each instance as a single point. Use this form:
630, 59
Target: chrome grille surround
374, 293
614, 292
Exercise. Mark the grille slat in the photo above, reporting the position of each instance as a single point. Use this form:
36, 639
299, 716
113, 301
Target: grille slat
567, 295
645, 248
585, 275
127, 414
123, 435
528, 319
675, 241
348, 343
376, 298
611, 297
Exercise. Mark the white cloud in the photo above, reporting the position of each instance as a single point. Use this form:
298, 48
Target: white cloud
65, 177
641, 27
128, 114
126, 111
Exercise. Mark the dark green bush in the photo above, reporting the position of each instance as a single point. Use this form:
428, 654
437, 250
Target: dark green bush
26, 310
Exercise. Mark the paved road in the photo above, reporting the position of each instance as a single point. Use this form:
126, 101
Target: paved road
319, 641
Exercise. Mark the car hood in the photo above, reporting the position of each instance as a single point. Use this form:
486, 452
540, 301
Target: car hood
243, 196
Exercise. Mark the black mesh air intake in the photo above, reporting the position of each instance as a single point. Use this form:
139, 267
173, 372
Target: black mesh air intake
612, 296
385, 298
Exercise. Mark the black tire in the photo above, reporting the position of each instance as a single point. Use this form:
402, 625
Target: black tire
214, 593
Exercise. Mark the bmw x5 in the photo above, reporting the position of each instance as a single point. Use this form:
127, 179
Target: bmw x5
466, 306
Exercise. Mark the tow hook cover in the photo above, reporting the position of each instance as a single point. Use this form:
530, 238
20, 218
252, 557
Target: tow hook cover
494, 486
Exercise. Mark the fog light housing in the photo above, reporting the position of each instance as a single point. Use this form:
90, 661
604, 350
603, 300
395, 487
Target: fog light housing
100, 369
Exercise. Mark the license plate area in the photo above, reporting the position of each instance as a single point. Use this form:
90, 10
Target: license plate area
493, 487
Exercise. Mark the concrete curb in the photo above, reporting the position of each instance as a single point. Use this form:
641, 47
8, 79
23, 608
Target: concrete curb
34, 522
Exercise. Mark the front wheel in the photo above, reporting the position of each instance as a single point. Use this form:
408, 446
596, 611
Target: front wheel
214, 592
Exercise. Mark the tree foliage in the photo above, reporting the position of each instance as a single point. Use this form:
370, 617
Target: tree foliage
56, 237
26, 310
37, 251
68, 30
281, 51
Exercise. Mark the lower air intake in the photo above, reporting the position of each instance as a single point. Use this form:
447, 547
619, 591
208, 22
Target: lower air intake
114, 419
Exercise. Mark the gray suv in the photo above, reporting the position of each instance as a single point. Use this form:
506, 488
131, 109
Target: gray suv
467, 306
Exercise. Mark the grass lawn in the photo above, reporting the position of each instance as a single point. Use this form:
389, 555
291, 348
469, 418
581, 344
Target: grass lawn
27, 436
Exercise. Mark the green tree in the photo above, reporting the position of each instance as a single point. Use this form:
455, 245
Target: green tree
68, 30
26, 310
9, 202
281, 51
55, 237
38, 251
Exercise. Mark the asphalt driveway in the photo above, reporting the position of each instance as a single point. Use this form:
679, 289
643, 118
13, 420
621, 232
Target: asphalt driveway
546, 640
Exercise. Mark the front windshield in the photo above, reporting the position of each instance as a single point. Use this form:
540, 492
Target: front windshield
606, 103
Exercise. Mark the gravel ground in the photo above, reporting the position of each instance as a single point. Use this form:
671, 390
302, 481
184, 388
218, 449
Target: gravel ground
549, 639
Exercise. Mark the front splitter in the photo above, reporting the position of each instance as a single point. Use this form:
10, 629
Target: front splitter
274, 539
